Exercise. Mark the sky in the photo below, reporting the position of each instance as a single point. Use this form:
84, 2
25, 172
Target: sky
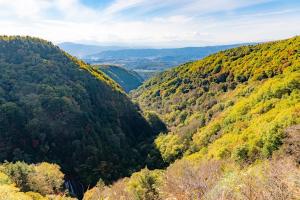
152, 23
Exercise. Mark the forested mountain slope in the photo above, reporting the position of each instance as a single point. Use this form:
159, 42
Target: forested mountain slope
232, 127
127, 79
55, 108
234, 103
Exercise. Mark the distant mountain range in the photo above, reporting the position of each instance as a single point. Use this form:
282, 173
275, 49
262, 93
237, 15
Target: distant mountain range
146, 62
82, 50
152, 53
140, 58
154, 59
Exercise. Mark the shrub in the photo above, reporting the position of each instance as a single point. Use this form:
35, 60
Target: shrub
241, 153
269, 180
18, 172
43, 178
171, 146
144, 184
4, 179
9, 192
186, 180
46, 179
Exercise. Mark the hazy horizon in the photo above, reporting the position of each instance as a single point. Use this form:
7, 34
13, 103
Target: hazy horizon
125, 46
152, 24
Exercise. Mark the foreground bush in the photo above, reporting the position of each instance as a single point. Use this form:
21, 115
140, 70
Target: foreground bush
46, 179
186, 180
276, 179
143, 185
21, 181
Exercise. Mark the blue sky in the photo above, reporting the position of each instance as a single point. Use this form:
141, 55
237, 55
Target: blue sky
157, 23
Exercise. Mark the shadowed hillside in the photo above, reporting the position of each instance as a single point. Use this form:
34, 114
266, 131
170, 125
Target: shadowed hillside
127, 79
56, 108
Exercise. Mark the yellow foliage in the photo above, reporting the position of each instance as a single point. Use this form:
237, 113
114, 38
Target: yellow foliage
10, 192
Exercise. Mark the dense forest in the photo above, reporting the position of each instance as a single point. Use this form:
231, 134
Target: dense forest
58, 109
232, 128
127, 79
225, 127
238, 100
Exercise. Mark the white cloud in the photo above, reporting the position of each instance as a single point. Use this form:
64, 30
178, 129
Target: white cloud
120, 5
21, 9
189, 7
70, 20
208, 6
